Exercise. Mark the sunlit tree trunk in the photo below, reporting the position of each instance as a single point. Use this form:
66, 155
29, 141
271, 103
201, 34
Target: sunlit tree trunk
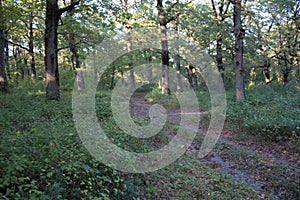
51, 60
53, 14
238, 33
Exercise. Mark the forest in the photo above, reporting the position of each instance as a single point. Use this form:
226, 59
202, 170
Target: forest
141, 99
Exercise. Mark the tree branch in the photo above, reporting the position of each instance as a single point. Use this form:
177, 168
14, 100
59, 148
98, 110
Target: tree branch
10, 42
69, 7
214, 9
227, 7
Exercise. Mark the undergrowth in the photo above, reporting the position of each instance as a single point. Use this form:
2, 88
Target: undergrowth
272, 111
42, 156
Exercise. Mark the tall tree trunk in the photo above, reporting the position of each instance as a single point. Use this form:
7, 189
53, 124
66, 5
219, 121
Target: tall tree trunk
6, 57
178, 64
219, 55
165, 61
53, 14
129, 48
3, 80
165, 85
31, 47
219, 16
74, 58
148, 58
112, 80
178, 73
238, 33
51, 60
129, 43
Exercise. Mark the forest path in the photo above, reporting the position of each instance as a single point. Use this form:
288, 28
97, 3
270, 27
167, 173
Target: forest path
266, 166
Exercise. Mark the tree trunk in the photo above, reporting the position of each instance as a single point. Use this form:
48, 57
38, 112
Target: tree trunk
6, 58
238, 33
53, 14
51, 60
31, 47
220, 12
266, 72
112, 80
165, 84
148, 57
178, 73
75, 64
129, 43
3, 81
165, 61
74, 58
178, 64
219, 55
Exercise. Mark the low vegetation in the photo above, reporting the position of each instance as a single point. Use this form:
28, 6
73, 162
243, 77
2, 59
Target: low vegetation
43, 157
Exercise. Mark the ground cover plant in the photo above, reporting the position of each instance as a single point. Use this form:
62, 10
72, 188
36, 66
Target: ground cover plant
42, 155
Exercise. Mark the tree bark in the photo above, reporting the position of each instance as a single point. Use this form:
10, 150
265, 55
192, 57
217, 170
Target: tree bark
129, 43
53, 14
51, 60
79, 78
178, 64
148, 57
112, 80
219, 55
178, 73
6, 57
165, 85
220, 16
31, 47
3, 80
238, 33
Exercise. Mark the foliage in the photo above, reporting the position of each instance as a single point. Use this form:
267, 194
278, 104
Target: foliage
42, 156
269, 110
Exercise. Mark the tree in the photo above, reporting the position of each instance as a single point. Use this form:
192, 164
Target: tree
125, 7
74, 57
53, 14
177, 60
163, 21
219, 17
238, 33
3, 81
31, 46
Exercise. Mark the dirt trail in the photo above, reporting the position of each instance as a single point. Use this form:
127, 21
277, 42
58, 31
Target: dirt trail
248, 159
